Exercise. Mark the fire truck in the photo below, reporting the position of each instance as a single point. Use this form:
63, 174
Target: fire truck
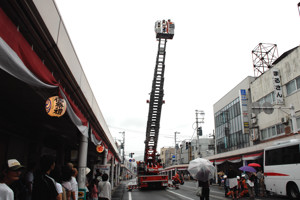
148, 171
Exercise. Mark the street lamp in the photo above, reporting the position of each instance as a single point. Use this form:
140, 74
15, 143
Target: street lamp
175, 146
123, 146
214, 137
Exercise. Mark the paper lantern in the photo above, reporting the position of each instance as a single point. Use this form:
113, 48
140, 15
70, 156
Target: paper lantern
100, 148
55, 106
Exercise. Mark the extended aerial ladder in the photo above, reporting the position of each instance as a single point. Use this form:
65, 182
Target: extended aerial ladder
164, 30
148, 171
155, 104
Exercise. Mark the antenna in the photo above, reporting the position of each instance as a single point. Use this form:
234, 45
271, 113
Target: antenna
263, 55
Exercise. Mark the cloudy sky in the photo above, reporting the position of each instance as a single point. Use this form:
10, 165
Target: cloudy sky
209, 55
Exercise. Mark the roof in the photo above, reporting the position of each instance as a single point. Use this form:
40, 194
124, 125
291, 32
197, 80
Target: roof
285, 54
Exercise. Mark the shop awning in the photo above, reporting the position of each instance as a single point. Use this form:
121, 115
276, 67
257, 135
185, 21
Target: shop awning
220, 161
254, 156
235, 159
19, 60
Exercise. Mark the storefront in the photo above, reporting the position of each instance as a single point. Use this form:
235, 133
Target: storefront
32, 69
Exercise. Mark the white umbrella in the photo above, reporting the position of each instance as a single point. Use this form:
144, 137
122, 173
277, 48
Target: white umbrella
201, 169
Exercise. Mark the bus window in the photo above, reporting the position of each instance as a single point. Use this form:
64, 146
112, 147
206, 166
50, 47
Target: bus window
283, 156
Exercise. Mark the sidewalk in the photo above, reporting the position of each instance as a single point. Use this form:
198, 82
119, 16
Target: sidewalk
118, 192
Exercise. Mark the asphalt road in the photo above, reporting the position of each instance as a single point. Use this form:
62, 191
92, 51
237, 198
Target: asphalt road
185, 192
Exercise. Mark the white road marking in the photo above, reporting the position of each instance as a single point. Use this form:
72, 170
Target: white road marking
180, 195
129, 196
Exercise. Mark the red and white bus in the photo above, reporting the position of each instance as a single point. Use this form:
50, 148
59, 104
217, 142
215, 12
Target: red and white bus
282, 168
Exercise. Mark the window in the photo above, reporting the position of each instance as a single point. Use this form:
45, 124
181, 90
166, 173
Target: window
280, 129
211, 147
263, 134
268, 98
272, 131
291, 87
283, 156
261, 101
298, 82
298, 123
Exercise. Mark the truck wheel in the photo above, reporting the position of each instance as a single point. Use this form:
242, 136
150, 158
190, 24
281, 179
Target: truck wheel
293, 191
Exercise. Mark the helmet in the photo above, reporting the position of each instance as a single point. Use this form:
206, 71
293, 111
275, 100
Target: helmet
238, 177
243, 175
225, 176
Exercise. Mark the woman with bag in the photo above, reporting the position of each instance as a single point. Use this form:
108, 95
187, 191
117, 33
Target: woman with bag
203, 190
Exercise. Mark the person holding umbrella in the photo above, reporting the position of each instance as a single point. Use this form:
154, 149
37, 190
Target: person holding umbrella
202, 170
249, 179
205, 189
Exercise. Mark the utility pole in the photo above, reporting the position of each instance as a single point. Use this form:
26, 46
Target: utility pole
199, 130
190, 152
175, 146
123, 146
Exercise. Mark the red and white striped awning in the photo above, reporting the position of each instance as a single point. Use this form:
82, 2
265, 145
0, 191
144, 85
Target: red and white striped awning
237, 159
220, 161
252, 156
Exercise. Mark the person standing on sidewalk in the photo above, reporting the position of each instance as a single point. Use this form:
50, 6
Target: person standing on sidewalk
250, 184
105, 188
74, 184
44, 187
94, 189
10, 173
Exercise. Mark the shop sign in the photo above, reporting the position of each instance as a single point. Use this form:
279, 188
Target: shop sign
244, 110
277, 87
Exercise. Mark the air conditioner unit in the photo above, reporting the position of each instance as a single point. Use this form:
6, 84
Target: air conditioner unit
285, 120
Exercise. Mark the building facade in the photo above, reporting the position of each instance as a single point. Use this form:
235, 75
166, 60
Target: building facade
257, 112
231, 115
166, 156
188, 149
280, 87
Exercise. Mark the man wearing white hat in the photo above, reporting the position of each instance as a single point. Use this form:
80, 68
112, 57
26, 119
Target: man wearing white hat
10, 173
